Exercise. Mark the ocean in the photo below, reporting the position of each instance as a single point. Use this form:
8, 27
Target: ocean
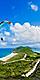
36, 50
5, 51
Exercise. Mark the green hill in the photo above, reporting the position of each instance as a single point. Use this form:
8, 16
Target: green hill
21, 64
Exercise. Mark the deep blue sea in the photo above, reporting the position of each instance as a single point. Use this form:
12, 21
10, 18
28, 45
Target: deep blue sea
5, 51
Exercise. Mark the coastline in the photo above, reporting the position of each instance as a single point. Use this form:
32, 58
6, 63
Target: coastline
8, 57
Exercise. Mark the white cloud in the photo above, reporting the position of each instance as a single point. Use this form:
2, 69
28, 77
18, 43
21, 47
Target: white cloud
4, 44
27, 32
7, 33
3, 38
14, 39
34, 7
11, 28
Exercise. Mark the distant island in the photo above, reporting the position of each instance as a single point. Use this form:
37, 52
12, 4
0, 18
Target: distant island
25, 65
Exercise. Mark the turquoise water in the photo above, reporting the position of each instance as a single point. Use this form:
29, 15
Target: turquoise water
5, 51
36, 50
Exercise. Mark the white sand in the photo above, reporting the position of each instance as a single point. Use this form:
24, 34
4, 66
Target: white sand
8, 56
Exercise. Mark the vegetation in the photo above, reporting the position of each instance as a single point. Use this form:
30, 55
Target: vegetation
16, 66
25, 50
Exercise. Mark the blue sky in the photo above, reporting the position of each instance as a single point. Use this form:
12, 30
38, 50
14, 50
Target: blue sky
20, 11
25, 18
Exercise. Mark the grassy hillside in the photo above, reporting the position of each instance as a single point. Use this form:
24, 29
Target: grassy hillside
17, 65
25, 50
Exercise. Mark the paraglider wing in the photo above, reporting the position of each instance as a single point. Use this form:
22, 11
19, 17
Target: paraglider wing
3, 22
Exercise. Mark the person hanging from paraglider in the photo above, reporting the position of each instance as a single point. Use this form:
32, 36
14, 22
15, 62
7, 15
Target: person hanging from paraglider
1, 39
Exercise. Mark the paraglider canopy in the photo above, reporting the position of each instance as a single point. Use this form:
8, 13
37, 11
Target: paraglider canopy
3, 22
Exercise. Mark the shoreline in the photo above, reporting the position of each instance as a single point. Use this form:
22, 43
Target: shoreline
8, 57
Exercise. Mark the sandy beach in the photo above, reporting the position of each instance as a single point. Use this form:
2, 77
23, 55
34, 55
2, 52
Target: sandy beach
8, 56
